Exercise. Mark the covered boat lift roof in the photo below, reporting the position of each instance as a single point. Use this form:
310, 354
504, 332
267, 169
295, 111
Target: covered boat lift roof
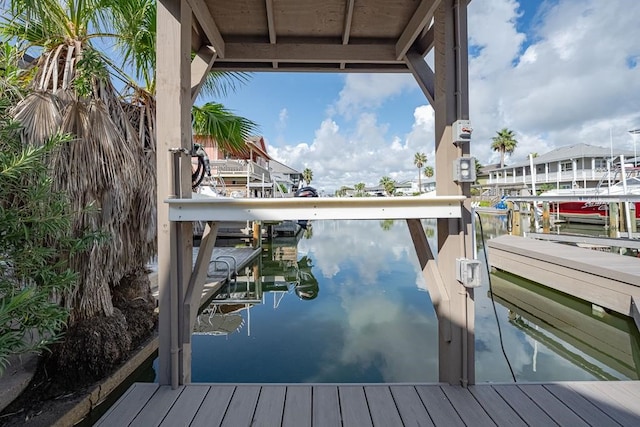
195, 37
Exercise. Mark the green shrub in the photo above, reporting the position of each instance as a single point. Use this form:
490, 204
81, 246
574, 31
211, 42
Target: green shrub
35, 243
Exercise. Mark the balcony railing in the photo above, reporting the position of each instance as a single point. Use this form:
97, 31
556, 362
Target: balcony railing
226, 168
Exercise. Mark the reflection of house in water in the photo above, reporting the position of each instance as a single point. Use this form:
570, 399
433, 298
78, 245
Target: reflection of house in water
609, 346
278, 272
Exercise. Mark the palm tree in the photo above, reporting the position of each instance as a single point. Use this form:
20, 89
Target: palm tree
388, 184
478, 167
105, 165
428, 171
110, 163
307, 175
359, 187
504, 142
419, 160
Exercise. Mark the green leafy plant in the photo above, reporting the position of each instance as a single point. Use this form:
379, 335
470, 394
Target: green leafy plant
35, 245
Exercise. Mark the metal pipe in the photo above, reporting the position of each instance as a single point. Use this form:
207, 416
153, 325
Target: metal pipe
174, 276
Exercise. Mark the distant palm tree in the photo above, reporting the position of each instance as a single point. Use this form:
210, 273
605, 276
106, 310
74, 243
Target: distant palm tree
388, 184
307, 175
478, 167
359, 187
428, 171
419, 159
504, 142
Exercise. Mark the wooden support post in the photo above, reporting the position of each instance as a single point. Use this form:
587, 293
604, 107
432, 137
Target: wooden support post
546, 223
614, 220
257, 234
517, 220
174, 132
456, 356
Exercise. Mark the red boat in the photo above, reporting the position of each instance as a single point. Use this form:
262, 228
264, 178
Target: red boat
593, 211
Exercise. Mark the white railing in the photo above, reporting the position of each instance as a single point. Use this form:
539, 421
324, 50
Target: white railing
239, 168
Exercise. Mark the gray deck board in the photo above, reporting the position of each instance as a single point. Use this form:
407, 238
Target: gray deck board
560, 413
326, 406
469, 409
297, 407
440, 409
214, 406
158, 406
618, 405
185, 408
523, 405
589, 403
129, 405
382, 406
270, 406
355, 411
242, 406
410, 406
501, 413
583, 407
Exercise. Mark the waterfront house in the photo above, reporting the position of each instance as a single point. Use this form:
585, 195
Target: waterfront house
243, 173
571, 166
285, 178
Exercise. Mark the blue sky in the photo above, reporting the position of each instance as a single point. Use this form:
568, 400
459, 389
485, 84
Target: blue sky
556, 72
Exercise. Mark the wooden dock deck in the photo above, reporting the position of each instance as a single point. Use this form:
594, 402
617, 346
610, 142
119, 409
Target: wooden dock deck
608, 280
386, 405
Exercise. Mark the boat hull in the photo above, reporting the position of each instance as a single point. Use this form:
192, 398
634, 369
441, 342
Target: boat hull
587, 212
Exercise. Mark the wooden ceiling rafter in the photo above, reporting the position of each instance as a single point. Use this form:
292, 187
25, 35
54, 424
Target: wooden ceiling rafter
271, 24
257, 46
421, 17
348, 20
206, 21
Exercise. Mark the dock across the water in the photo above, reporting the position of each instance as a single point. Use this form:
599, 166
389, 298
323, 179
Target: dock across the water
608, 280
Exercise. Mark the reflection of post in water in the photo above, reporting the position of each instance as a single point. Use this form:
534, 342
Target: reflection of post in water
612, 340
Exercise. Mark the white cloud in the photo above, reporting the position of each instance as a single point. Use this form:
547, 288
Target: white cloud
366, 91
573, 83
572, 77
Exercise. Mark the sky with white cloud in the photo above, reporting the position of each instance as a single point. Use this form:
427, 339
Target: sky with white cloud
556, 72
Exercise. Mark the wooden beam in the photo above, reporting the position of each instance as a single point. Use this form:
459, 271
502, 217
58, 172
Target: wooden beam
202, 208
204, 18
173, 128
200, 68
423, 75
196, 283
271, 23
425, 42
437, 290
326, 67
346, 31
456, 357
418, 21
311, 53
348, 19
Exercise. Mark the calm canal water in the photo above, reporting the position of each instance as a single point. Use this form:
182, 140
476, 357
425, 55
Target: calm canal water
360, 313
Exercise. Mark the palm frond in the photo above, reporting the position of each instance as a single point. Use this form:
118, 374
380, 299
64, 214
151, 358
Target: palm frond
215, 121
220, 84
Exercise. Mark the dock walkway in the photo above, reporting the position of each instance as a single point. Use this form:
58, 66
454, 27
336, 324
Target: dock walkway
331, 405
608, 280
